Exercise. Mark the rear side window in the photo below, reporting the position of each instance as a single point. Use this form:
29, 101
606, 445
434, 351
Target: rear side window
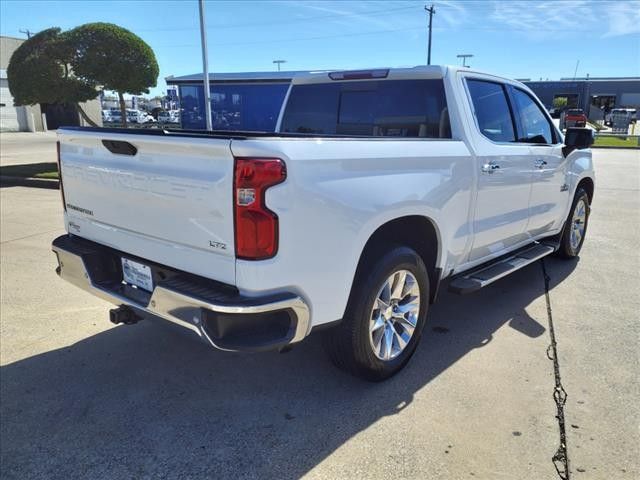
492, 110
390, 108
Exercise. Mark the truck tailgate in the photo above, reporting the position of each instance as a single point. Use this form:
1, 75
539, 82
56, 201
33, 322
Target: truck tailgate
171, 202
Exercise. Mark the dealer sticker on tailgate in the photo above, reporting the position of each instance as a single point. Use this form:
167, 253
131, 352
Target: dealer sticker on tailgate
137, 274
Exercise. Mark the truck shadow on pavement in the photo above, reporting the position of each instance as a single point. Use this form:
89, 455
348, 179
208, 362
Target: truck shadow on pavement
141, 401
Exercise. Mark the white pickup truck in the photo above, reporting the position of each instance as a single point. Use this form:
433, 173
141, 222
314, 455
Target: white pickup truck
375, 187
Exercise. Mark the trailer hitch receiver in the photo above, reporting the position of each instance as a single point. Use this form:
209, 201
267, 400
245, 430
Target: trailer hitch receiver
123, 314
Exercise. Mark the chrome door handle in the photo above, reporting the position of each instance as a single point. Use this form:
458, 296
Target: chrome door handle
540, 163
490, 167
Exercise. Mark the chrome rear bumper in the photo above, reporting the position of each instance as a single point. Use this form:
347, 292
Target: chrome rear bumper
215, 312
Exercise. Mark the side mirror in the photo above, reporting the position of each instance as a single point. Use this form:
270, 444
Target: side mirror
577, 139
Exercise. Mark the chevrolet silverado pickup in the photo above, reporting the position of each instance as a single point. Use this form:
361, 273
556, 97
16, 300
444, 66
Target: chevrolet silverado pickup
375, 187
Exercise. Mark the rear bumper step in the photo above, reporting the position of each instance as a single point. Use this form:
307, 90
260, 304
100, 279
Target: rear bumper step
489, 273
217, 313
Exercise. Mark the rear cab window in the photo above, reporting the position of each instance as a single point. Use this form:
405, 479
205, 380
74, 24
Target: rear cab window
492, 110
373, 108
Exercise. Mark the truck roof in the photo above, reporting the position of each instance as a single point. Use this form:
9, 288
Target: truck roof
418, 72
317, 76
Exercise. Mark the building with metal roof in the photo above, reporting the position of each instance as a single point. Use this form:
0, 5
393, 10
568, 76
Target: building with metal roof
595, 96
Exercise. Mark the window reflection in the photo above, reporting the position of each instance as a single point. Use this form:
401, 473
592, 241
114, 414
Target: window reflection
391, 108
249, 107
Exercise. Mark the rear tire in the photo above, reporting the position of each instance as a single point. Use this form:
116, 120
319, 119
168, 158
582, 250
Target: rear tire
385, 316
575, 228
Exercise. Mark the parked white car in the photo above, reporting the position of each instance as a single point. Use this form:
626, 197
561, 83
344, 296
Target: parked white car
165, 117
145, 117
106, 115
632, 112
376, 186
115, 115
134, 116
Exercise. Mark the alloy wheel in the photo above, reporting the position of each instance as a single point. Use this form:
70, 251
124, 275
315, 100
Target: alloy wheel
394, 315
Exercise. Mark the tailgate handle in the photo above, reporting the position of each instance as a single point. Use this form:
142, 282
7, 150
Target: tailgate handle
119, 147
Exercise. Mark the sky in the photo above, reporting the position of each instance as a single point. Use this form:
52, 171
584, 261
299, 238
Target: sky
515, 39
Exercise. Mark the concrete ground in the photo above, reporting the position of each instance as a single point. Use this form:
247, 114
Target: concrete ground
80, 398
18, 148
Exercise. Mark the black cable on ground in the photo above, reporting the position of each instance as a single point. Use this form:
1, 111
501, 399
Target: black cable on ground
560, 459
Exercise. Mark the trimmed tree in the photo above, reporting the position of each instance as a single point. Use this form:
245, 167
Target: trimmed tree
39, 72
560, 102
115, 58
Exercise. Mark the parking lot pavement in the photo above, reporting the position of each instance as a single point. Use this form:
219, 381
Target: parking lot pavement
18, 148
80, 398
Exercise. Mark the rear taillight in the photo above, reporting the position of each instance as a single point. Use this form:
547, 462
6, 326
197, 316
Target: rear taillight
64, 203
256, 227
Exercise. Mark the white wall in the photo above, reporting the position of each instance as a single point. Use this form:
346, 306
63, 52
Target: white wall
12, 119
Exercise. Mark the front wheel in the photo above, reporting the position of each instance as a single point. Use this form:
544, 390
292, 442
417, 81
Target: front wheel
384, 319
575, 228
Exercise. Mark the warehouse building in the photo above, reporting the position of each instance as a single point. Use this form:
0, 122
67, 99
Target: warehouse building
14, 118
593, 95
35, 118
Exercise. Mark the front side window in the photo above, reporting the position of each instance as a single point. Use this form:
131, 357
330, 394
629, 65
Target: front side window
534, 125
492, 110
389, 108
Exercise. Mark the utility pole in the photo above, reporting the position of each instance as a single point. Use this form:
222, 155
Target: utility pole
432, 12
27, 32
278, 62
205, 67
464, 57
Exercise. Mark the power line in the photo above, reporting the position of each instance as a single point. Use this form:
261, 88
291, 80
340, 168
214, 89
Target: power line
300, 39
281, 22
356, 34
432, 12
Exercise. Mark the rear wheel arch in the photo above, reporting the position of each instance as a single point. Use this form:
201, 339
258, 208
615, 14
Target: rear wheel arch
415, 231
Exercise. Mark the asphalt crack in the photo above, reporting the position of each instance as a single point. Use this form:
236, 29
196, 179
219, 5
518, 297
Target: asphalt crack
561, 458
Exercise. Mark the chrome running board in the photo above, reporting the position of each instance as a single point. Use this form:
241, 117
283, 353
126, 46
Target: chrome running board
490, 272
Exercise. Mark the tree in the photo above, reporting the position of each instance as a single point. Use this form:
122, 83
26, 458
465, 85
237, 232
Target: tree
39, 72
115, 58
560, 102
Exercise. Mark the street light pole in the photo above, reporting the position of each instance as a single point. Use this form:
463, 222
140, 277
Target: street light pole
205, 66
464, 57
